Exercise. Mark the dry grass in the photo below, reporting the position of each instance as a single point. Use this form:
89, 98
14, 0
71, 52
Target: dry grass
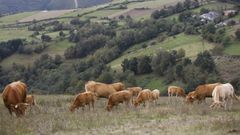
52, 117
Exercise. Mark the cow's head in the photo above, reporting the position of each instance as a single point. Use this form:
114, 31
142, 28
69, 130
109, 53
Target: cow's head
136, 103
109, 108
19, 108
72, 108
190, 97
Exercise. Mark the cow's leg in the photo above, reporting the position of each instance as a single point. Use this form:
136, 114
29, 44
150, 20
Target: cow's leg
83, 108
231, 103
89, 106
212, 105
10, 111
93, 105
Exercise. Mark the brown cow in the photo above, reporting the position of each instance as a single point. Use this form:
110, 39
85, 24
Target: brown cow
118, 86
14, 97
201, 92
174, 90
189, 97
119, 97
144, 96
82, 99
30, 100
101, 90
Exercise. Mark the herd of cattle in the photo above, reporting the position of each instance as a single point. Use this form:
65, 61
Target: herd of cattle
16, 100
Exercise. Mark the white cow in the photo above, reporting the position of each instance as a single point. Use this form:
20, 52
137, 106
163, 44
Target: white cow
223, 95
155, 95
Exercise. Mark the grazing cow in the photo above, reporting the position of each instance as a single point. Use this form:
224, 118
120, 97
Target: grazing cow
82, 99
30, 100
118, 86
14, 98
135, 91
144, 96
201, 92
119, 97
174, 90
101, 90
189, 98
155, 95
223, 95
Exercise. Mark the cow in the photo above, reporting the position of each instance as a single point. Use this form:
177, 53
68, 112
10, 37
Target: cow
82, 99
222, 95
201, 92
174, 90
143, 97
134, 91
101, 90
30, 100
14, 98
155, 95
119, 97
188, 97
118, 86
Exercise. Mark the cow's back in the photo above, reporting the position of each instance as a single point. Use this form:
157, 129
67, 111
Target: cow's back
100, 89
118, 86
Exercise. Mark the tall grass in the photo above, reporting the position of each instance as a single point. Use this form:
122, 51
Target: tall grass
51, 116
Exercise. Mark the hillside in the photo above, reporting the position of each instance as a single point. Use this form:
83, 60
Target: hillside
115, 31
14, 6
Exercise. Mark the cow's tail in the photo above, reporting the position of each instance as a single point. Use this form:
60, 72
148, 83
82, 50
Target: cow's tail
86, 88
235, 96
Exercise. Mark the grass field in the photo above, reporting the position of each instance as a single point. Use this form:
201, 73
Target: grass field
45, 15
7, 34
215, 6
191, 44
152, 4
15, 17
53, 49
168, 117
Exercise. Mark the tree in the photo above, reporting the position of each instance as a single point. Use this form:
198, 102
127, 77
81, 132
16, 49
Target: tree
184, 16
237, 34
204, 10
106, 77
46, 38
144, 66
205, 62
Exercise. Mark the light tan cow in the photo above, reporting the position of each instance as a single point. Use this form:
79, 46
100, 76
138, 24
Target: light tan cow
143, 97
119, 97
30, 100
175, 90
101, 90
82, 99
135, 91
155, 95
118, 86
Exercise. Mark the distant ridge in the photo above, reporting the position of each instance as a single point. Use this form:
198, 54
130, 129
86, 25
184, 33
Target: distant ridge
15, 6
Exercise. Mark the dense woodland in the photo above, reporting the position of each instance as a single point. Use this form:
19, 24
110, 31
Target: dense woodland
97, 44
